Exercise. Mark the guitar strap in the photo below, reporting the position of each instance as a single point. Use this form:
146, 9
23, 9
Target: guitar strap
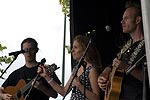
125, 47
135, 53
136, 50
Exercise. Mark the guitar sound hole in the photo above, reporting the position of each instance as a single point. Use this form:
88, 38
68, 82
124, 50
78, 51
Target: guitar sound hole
19, 94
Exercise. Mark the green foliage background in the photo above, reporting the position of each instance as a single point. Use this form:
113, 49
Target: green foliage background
65, 6
4, 59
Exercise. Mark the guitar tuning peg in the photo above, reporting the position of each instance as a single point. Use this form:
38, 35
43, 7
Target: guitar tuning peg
53, 64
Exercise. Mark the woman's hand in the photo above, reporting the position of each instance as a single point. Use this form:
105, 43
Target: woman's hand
42, 71
76, 82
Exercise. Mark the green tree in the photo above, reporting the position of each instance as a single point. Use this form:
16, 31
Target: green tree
4, 59
65, 6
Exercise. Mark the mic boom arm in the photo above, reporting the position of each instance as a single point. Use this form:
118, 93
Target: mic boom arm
130, 68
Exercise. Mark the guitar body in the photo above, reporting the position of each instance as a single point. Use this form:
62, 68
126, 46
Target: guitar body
21, 87
15, 90
114, 85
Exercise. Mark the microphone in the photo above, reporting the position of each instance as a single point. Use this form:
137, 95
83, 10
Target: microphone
42, 61
16, 53
108, 28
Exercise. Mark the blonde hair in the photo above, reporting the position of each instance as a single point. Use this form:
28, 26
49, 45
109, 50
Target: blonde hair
92, 54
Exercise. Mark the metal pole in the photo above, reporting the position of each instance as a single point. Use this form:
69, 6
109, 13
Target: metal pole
64, 43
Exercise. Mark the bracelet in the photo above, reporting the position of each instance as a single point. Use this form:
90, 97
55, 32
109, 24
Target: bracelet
49, 81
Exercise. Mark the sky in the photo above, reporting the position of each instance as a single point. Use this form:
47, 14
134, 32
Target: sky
42, 20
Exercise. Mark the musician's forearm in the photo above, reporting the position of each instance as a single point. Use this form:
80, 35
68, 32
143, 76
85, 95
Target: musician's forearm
107, 70
138, 74
49, 92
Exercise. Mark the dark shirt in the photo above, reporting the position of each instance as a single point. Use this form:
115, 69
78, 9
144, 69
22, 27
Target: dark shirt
77, 94
27, 74
132, 87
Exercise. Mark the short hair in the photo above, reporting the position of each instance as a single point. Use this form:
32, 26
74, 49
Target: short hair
133, 3
30, 40
136, 4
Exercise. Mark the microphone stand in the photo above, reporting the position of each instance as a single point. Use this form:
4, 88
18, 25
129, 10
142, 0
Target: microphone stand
130, 68
31, 87
84, 66
15, 57
144, 81
35, 79
81, 62
144, 97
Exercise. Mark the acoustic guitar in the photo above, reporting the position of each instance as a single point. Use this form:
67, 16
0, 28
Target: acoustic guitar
21, 87
114, 84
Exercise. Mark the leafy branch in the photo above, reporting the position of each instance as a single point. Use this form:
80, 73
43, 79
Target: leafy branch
4, 59
68, 49
65, 6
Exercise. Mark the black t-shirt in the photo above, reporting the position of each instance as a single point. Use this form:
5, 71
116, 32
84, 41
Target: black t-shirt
131, 87
27, 74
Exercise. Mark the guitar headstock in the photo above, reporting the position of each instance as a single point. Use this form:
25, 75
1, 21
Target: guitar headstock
51, 68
